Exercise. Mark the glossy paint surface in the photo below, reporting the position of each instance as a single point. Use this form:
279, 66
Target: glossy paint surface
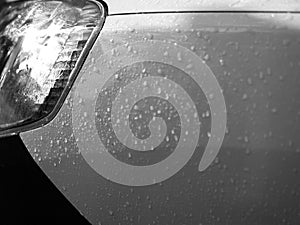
136, 6
151, 71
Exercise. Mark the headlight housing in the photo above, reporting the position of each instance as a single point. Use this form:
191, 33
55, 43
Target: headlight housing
42, 47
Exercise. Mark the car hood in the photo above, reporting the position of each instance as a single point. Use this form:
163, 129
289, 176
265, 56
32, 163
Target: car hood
140, 6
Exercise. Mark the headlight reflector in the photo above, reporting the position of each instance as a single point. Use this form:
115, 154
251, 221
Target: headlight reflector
42, 46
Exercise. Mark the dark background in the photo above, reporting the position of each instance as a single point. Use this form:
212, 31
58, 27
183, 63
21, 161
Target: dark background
27, 196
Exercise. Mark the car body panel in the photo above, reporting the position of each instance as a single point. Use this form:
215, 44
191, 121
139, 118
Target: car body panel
253, 179
137, 6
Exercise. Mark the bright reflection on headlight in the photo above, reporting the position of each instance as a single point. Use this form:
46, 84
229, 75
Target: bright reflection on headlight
40, 44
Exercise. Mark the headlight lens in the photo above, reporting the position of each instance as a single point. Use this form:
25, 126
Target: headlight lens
42, 46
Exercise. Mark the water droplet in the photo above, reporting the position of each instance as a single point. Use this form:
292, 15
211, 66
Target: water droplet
261, 75
129, 48
249, 81
221, 61
114, 52
176, 138
245, 96
179, 58
189, 66
206, 57
149, 36
159, 90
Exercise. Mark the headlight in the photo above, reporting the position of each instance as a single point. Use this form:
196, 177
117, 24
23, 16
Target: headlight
42, 46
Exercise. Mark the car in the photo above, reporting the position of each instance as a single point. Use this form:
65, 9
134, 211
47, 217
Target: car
150, 112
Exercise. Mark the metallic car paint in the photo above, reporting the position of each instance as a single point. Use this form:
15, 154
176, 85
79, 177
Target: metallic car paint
135, 6
254, 179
